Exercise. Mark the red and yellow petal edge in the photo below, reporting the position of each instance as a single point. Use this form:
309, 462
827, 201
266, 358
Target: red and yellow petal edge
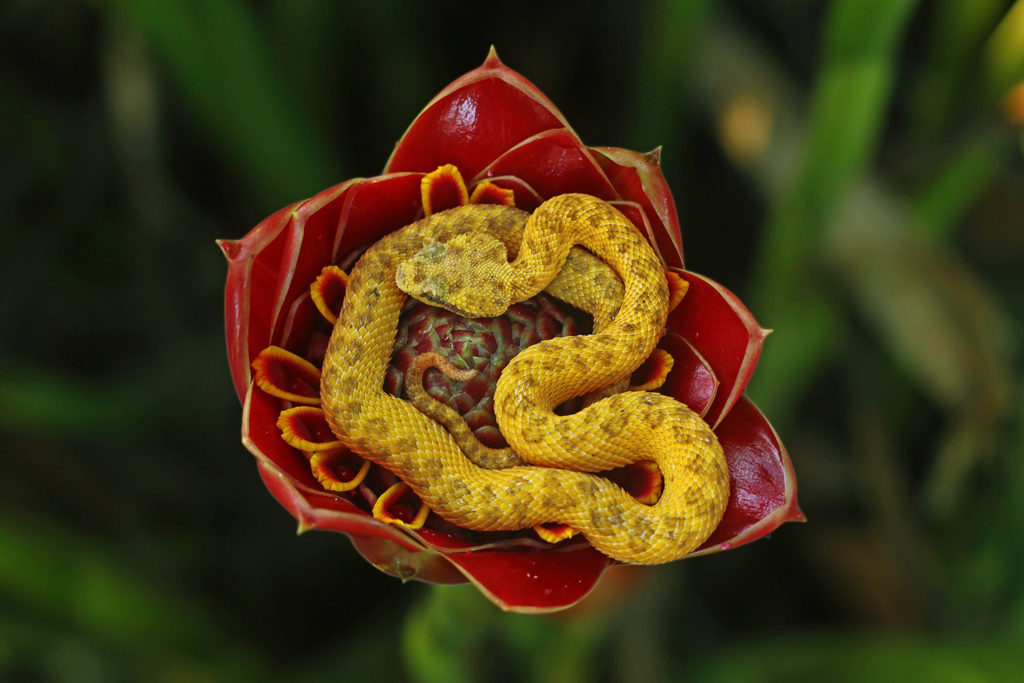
654, 371
677, 288
305, 428
724, 333
528, 580
283, 374
642, 480
401, 507
638, 178
534, 159
554, 533
443, 188
338, 469
328, 292
691, 380
763, 493
489, 193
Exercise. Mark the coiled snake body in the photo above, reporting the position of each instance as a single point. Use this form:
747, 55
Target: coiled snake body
458, 259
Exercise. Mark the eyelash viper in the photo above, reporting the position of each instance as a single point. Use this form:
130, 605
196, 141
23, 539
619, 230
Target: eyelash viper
457, 258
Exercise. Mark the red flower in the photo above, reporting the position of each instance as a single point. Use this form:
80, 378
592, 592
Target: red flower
511, 145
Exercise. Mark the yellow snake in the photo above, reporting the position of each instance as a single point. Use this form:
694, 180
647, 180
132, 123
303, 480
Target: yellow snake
457, 258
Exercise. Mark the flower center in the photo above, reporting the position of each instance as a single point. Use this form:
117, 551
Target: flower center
485, 345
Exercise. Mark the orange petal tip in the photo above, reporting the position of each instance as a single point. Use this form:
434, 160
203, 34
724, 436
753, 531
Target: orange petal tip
328, 292
677, 288
399, 506
642, 480
654, 371
305, 428
339, 469
443, 189
283, 374
554, 533
489, 193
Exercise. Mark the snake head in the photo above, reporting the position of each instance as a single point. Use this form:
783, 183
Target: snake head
467, 275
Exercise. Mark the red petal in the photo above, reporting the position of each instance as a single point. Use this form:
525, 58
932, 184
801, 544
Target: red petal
303, 328
252, 275
287, 476
406, 560
443, 188
401, 507
283, 374
526, 198
339, 469
638, 218
328, 292
677, 288
311, 232
521, 580
262, 438
553, 162
642, 480
638, 178
652, 372
375, 207
286, 473
533, 580
691, 381
724, 332
763, 494
305, 428
265, 272
473, 120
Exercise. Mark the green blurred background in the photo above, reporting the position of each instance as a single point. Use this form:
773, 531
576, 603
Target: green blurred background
846, 167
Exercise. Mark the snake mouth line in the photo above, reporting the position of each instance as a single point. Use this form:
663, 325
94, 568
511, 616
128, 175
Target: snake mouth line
439, 302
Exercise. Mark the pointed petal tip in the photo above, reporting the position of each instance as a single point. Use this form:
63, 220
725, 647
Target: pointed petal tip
492, 58
229, 248
654, 156
763, 332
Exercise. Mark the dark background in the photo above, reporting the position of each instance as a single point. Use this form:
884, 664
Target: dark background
847, 168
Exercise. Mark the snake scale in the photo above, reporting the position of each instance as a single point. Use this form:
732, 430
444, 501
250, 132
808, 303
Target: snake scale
458, 259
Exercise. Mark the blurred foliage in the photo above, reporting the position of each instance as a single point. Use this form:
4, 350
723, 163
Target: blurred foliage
850, 168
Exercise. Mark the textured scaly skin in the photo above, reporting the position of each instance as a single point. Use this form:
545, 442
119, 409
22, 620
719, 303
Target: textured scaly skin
613, 432
585, 282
